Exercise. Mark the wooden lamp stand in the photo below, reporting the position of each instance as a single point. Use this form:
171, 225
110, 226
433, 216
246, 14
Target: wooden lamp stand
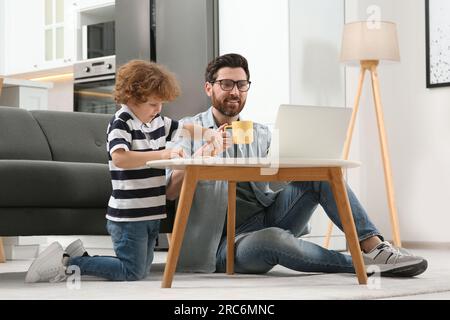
371, 66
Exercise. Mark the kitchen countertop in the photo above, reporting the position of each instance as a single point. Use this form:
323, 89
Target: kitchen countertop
11, 82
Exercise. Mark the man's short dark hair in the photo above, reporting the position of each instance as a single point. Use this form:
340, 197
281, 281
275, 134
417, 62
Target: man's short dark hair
230, 60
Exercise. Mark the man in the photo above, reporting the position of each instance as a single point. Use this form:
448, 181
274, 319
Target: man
268, 224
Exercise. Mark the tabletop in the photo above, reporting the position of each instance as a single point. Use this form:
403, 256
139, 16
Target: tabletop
181, 163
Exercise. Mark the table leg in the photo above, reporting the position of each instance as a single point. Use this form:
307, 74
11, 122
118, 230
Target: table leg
345, 213
231, 225
181, 218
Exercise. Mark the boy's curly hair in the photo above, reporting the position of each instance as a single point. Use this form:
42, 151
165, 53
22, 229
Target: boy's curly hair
137, 80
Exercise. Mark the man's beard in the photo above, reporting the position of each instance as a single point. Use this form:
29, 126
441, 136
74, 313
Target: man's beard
224, 108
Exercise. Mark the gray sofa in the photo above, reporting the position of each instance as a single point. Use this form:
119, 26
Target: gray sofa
54, 173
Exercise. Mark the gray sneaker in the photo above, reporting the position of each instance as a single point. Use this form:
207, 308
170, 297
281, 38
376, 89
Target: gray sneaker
49, 266
76, 249
394, 262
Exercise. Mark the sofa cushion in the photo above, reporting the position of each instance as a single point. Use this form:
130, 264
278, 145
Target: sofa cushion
21, 137
54, 184
75, 136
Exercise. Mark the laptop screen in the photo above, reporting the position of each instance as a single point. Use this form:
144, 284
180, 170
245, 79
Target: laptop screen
310, 132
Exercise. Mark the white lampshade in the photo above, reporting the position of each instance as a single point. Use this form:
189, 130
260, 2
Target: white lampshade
365, 40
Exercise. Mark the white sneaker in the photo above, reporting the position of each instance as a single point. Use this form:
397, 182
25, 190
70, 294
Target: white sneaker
394, 262
48, 266
76, 249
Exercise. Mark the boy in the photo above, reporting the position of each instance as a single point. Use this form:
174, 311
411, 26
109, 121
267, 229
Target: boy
136, 134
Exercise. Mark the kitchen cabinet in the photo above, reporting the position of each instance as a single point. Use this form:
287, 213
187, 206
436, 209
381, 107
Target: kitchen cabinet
23, 34
59, 33
39, 35
26, 94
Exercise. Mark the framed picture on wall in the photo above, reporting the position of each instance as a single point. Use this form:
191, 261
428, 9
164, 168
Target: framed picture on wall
437, 13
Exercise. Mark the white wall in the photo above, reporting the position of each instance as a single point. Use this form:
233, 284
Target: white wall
293, 51
317, 77
261, 35
417, 122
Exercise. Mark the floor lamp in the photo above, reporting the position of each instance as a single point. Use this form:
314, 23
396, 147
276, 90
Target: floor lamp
367, 43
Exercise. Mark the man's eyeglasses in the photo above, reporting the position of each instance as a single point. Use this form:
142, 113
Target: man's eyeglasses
228, 84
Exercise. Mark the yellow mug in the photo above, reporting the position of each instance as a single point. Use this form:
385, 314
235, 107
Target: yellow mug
242, 132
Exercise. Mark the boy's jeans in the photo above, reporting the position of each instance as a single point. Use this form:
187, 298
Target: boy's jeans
271, 237
134, 243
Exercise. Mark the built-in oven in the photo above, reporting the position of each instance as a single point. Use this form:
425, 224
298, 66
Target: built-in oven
94, 81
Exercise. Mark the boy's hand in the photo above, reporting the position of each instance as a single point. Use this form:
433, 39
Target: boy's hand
173, 153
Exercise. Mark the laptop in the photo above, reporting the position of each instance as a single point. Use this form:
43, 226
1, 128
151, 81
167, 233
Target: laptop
310, 132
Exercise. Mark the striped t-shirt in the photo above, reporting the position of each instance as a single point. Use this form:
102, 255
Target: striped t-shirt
140, 193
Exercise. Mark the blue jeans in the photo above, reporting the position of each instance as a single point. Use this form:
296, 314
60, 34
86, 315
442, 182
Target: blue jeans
134, 243
271, 236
